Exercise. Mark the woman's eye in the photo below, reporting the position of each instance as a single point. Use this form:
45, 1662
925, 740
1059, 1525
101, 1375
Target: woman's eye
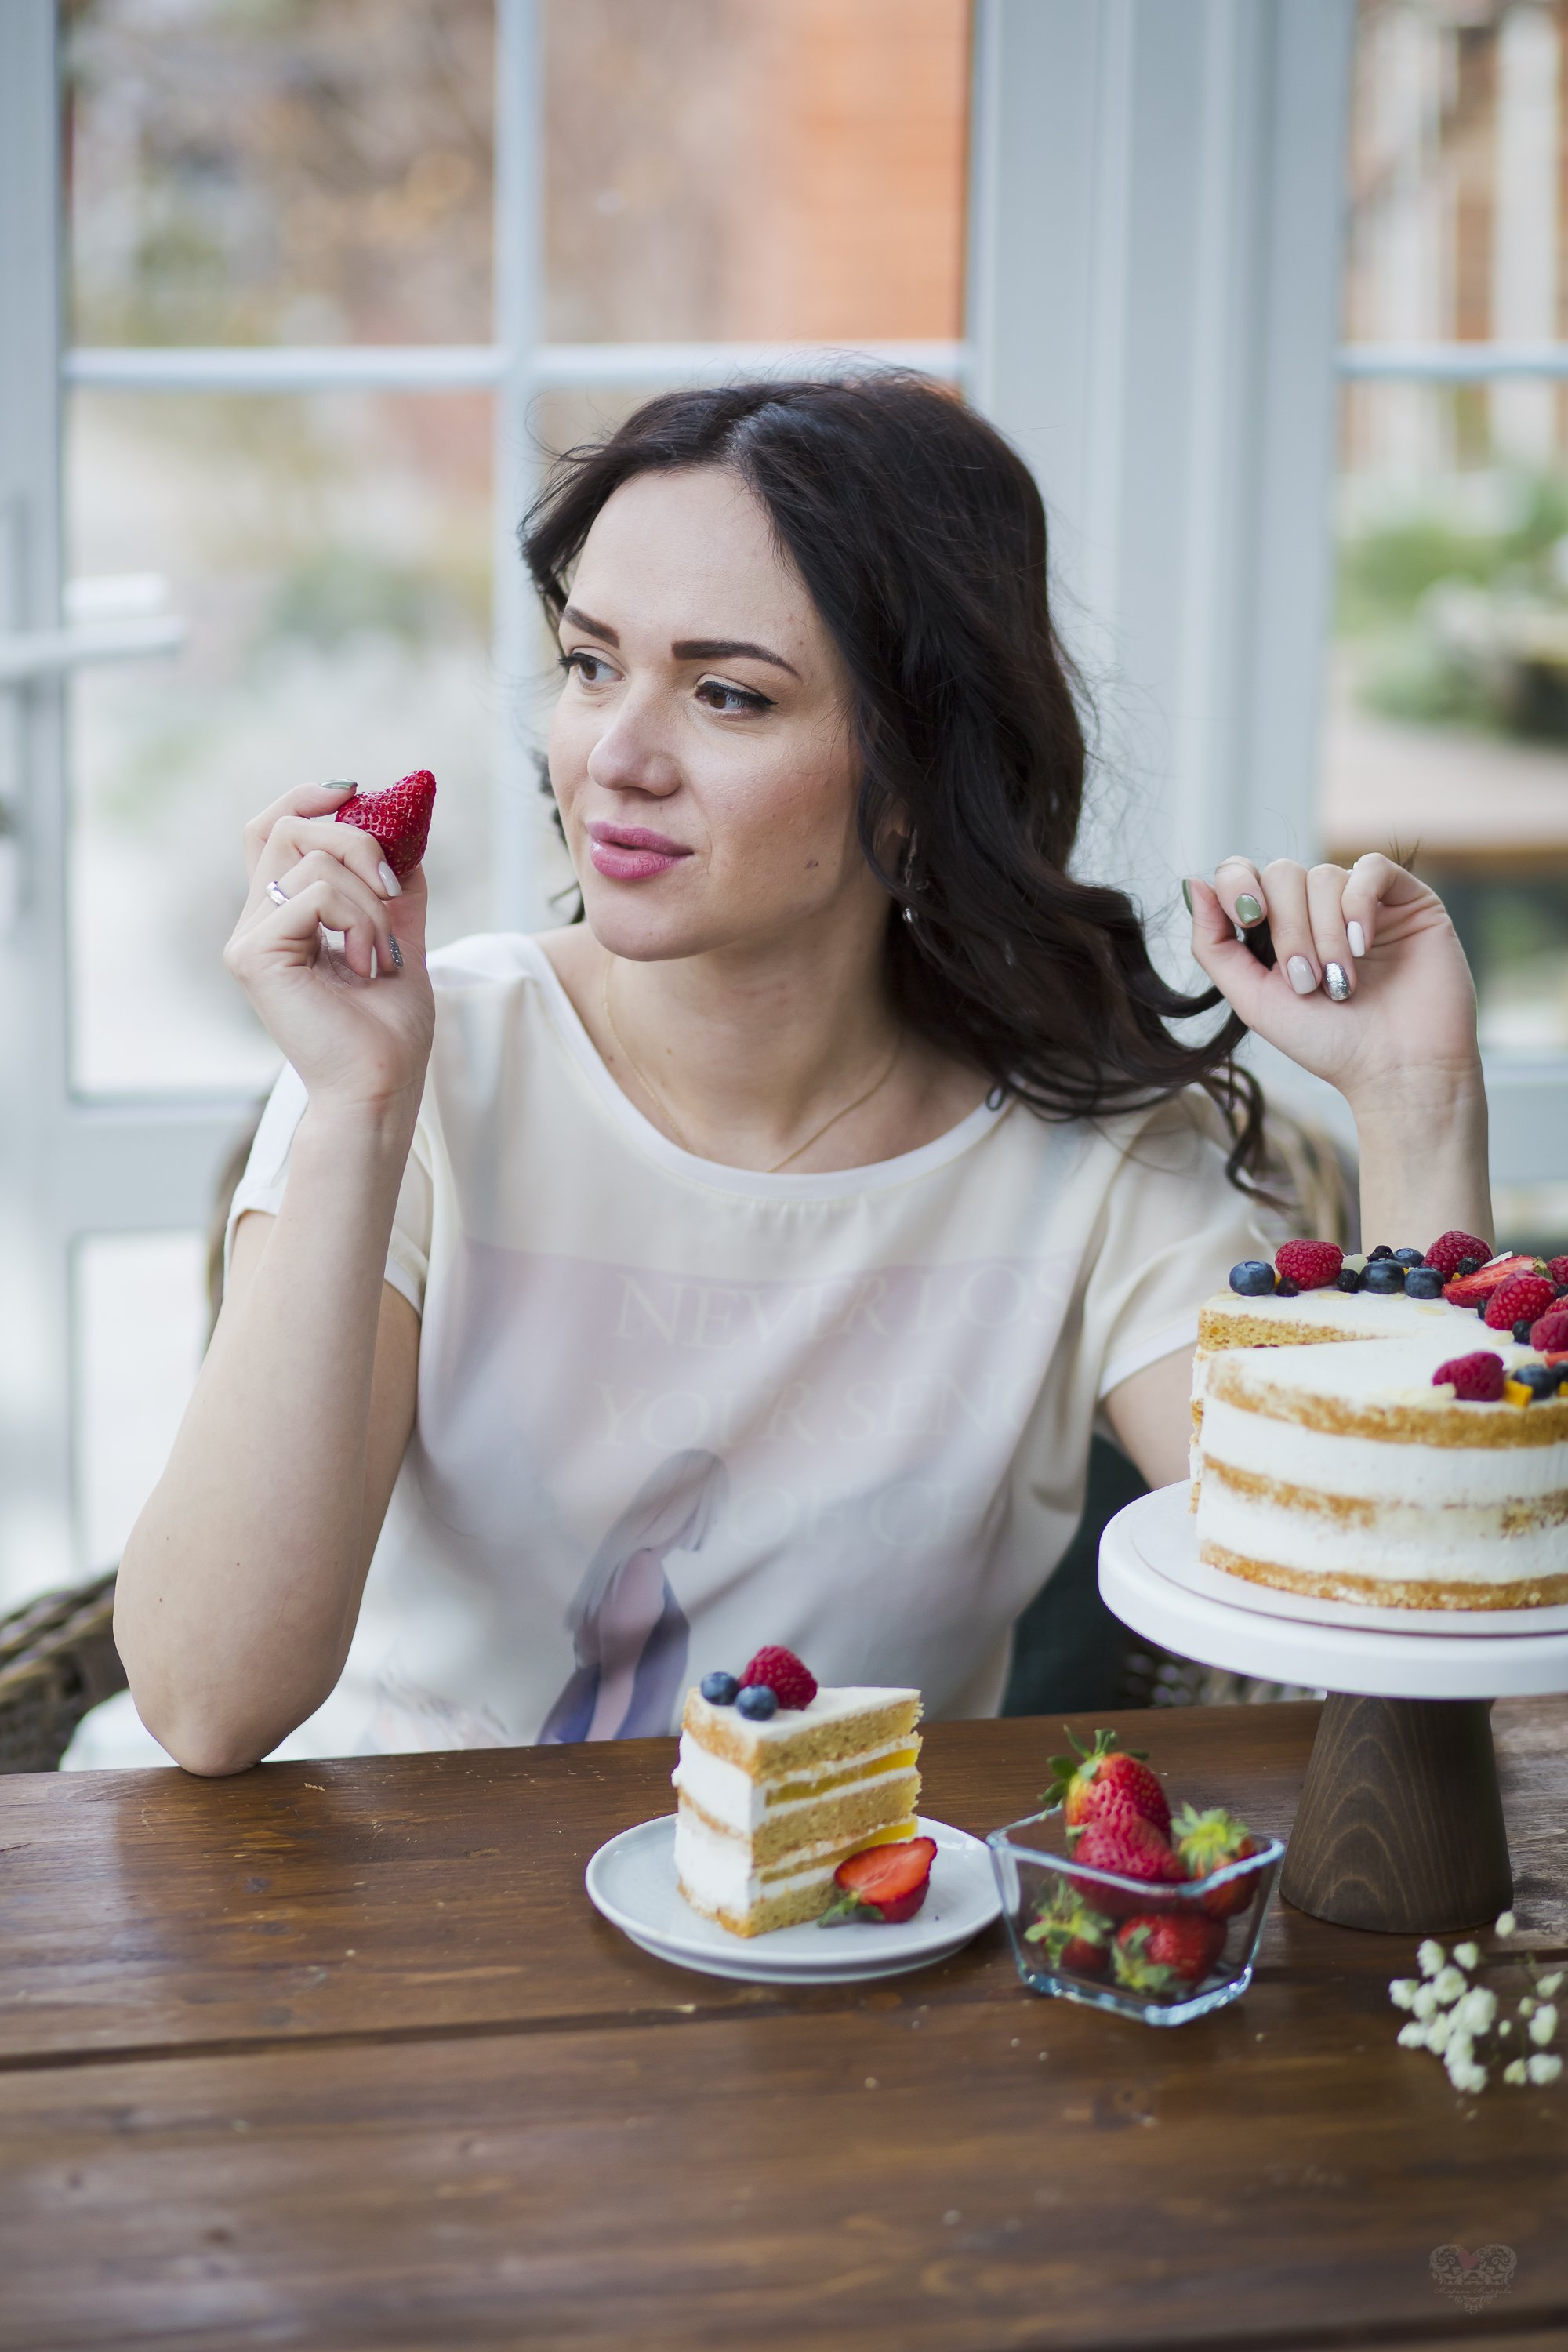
732, 701
590, 668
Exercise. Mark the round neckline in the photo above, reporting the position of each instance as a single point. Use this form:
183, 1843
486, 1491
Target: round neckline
830, 1183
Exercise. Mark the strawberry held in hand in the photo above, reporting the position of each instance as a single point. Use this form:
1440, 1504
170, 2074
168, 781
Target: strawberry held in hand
887, 1882
397, 819
1101, 1779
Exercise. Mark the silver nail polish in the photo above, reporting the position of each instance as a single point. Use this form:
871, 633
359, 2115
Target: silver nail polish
1300, 973
1337, 980
397, 951
1187, 896
1247, 909
389, 881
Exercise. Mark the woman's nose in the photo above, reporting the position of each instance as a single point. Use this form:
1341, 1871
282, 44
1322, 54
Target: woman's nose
634, 753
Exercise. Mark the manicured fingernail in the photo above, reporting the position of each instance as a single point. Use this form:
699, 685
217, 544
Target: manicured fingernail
1247, 911
1357, 938
397, 951
1337, 980
340, 784
1187, 896
389, 881
1303, 979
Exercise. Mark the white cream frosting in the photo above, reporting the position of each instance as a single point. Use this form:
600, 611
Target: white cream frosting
731, 1797
1356, 1314
1439, 1514
831, 1705
719, 1872
1370, 1469
1406, 1544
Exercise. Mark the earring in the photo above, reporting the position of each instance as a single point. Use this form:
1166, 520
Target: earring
907, 873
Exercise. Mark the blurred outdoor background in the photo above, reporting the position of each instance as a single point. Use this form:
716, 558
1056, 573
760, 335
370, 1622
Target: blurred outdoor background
320, 171
253, 176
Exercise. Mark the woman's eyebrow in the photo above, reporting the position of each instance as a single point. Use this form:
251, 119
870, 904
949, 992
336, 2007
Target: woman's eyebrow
725, 649
581, 620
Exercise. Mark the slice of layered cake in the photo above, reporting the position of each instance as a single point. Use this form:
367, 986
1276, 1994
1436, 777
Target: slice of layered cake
780, 1781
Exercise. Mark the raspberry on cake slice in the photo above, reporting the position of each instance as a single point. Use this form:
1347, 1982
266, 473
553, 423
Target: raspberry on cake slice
776, 1789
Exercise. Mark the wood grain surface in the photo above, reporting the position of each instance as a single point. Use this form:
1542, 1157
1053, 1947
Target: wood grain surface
1400, 1827
409, 2091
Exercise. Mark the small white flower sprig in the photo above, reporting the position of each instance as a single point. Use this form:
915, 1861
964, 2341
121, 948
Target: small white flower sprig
1449, 2015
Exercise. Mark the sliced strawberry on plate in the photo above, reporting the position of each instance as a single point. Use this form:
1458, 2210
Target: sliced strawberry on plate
398, 819
886, 1883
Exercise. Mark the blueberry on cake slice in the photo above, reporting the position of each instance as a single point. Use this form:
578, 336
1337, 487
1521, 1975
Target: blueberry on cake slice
779, 1782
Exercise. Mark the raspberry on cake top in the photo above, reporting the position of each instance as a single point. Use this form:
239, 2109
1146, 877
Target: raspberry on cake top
1313, 1294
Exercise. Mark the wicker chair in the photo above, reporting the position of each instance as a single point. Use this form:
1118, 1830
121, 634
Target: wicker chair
58, 1659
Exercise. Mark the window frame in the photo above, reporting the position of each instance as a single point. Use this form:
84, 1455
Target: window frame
1178, 409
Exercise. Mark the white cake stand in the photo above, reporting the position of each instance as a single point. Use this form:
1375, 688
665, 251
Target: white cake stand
1400, 1825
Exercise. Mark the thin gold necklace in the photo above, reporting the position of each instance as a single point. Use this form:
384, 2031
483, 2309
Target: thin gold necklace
649, 1088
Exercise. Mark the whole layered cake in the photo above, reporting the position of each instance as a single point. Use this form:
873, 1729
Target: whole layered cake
1424, 1467
775, 1798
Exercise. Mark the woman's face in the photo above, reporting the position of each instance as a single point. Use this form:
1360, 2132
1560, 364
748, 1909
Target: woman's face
701, 751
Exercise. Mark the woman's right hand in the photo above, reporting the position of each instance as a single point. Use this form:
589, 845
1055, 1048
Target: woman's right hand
357, 1022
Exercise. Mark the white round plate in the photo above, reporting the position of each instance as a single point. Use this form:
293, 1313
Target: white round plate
1244, 1639
631, 1881
1167, 1540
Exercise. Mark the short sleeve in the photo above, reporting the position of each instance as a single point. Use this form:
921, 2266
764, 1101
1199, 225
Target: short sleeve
1173, 1227
266, 1179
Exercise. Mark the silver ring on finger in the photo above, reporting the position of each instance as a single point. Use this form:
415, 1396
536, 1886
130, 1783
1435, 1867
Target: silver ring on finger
277, 893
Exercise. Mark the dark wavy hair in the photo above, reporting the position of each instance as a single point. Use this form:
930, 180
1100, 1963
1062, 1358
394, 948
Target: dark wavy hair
921, 538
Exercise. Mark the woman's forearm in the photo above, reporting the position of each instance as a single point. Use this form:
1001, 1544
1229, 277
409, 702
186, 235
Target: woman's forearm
1424, 1163
240, 1583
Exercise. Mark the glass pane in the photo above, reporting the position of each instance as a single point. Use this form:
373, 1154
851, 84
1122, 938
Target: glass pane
754, 169
1448, 733
280, 171
140, 1328
330, 555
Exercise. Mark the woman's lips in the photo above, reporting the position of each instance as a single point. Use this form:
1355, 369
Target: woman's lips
630, 853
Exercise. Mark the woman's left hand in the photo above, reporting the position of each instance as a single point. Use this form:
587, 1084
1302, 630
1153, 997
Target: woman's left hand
1371, 990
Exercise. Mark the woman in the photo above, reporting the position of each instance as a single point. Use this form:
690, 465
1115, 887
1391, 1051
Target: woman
749, 1261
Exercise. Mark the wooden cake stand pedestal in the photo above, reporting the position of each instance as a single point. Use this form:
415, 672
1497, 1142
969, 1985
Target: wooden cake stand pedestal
1400, 1825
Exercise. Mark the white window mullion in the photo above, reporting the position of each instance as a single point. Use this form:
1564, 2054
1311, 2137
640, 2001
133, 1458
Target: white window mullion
34, 1379
518, 325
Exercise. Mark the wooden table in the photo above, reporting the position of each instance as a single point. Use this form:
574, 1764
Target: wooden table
338, 2054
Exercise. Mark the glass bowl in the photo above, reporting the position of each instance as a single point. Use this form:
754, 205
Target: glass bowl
1161, 1954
